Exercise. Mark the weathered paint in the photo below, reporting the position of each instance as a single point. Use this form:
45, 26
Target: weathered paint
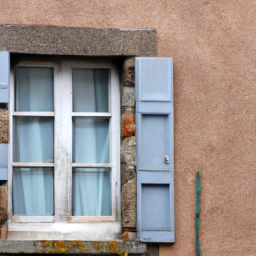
198, 193
154, 141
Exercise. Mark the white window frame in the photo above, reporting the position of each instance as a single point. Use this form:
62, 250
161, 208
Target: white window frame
48, 227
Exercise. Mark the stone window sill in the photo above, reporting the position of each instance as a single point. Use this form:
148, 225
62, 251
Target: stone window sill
116, 247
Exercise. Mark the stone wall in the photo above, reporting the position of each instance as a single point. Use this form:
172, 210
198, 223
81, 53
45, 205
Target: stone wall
128, 149
4, 125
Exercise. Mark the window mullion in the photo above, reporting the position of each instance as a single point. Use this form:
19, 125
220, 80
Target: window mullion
63, 144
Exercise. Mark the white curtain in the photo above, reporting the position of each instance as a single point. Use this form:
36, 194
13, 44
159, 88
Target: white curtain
34, 89
90, 90
33, 191
91, 192
91, 187
33, 142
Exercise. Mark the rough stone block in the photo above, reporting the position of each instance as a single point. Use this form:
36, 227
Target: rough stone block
3, 204
132, 235
128, 72
129, 235
129, 204
128, 97
3, 212
128, 110
3, 232
127, 173
128, 218
128, 151
128, 124
4, 126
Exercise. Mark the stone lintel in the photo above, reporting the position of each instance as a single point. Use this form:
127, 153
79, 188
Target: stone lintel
78, 41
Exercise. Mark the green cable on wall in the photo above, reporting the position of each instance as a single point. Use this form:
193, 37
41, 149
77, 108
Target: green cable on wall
198, 193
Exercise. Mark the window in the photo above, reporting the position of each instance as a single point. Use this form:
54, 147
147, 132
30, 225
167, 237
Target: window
64, 155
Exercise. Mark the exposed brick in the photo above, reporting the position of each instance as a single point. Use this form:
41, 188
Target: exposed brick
125, 235
128, 124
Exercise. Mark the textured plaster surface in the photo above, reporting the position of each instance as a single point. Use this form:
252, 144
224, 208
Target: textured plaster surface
213, 46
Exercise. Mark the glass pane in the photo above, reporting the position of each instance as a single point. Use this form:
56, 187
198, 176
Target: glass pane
90, 140
33, 139
91, 192
90, 90
33, 191
34, 89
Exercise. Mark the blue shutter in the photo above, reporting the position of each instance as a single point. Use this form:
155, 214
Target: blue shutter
154, 139
3, 161
4, 98
4, 76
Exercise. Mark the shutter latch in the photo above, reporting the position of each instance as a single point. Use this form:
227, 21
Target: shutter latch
167, 160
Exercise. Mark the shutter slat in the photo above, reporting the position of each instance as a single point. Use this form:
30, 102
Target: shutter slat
4, 76
154, 140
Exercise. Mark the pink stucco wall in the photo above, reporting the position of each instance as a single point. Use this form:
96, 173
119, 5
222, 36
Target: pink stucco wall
213, 44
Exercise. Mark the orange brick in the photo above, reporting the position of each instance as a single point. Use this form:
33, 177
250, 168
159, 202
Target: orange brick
125, 235
128, 126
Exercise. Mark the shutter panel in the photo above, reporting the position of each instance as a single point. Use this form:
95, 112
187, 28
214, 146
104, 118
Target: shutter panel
154, 139
3, 161
4, 76
4, 98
